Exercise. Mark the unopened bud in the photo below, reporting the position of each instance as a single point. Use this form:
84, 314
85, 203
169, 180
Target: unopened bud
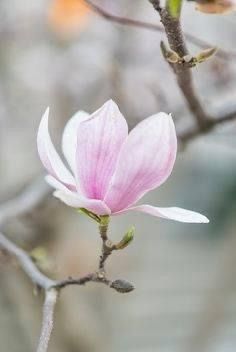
128, 237
170, 55
122, 286
188, 58
205, 54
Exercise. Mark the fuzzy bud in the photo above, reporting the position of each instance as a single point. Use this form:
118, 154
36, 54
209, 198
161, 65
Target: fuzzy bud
122, 286
205, 54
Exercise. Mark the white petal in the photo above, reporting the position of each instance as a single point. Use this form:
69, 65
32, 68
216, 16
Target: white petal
76, 200
173, 213
49, 157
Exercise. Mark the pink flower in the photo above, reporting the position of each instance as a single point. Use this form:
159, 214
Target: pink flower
111, 170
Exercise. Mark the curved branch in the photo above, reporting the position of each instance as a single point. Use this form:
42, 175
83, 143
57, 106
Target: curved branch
26, 263
192, 133
47, 322
40, 279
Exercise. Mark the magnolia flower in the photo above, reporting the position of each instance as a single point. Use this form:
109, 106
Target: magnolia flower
112, 170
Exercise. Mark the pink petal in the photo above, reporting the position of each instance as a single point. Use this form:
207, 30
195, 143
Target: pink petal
69, 138
145, 161
99, 141
49, 157
173, 213
75, 200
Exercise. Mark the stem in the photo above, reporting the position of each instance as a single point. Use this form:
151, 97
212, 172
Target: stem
47, 323
107, 246
103, 227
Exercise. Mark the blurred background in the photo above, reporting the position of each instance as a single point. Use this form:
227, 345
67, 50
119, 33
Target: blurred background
59, 53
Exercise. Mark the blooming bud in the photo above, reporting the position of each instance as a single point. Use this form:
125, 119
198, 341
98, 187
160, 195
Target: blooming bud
112, 170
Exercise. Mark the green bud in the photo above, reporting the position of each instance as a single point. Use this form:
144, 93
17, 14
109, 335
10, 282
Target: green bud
127, 239
205, 54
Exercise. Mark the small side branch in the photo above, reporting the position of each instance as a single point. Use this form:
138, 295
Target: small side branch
41, 280
47, 322
193, 133
221, 53
183, 73
53, 287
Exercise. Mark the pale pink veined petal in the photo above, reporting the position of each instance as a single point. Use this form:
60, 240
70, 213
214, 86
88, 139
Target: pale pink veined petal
69, 138
75, 200
49, 157
145, 161
172, 213
99, 141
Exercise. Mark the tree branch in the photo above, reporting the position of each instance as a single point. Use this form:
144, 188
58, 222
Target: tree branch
183, 74
47, 322
24, 203
192, 133
26, 263
221, 53
41, 280
175, 36
205, 122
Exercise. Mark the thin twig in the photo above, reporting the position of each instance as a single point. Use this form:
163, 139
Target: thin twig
41, 280
92, 277
52, 287
192, 133
47, 322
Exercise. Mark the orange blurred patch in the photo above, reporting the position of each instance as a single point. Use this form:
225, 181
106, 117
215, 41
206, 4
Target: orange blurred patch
216, 6
68, 16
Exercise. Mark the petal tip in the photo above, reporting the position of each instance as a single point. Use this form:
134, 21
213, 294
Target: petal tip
111, 105
46, 113
44, 120
110, 102
205, 220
